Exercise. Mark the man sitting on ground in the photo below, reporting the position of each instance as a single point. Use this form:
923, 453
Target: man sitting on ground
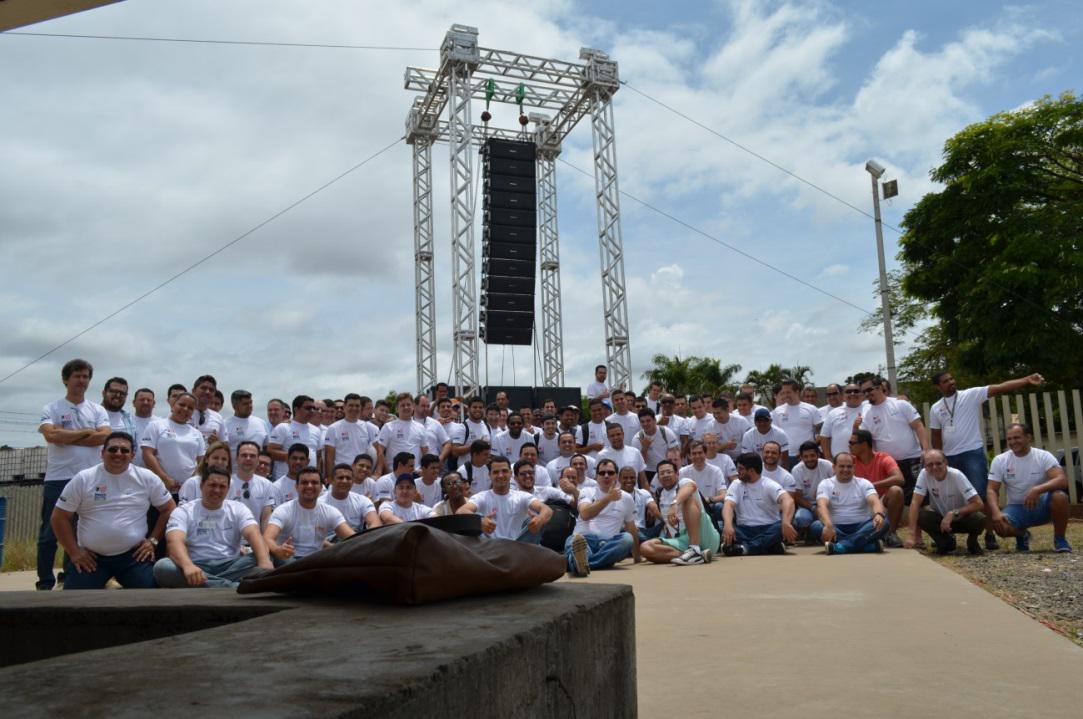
708, 478
204, 539
852, 518
605, 532
305, 522
758, 513
954, 506
507, 513
809, 471
358, 510
696, 539
1036, 486
646, 508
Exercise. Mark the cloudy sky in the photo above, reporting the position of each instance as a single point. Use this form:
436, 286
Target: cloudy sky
125, 162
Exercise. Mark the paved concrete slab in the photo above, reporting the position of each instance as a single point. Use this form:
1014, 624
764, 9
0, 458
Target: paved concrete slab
810, 636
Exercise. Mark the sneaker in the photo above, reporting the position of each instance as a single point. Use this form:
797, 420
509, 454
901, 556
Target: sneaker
833, 548
779, 548
1060, 544
876, 547
1022, 544
892, 540
991, 543
733, 550
690, 556
60, 577
973, 546
948, 546
43, 587
579, 556
708, 555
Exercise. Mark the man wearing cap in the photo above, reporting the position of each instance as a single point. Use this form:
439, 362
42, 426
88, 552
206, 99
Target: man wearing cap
403, 508
763, 432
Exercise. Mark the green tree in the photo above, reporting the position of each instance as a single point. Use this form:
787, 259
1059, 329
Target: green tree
765, 381
692, 375
996, 255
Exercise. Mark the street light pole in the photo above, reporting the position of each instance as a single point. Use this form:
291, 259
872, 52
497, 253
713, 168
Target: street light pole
875, 170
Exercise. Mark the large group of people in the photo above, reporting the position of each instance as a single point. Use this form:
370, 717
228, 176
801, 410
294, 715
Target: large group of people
190, 498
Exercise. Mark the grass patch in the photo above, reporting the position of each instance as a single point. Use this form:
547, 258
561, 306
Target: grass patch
23, 556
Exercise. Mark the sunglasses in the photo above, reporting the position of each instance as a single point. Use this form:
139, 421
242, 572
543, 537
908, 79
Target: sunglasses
605, 472
246, 494
118, 450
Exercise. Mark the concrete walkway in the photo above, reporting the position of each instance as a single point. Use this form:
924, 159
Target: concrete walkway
806, 635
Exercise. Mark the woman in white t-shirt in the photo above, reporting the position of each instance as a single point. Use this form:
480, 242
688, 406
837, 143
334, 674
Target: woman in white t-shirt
172, 448
218, 455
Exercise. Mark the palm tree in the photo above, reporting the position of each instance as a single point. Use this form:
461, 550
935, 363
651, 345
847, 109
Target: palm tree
691, 375
765, 381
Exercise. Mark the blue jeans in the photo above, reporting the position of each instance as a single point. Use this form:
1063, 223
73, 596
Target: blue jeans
601, 553
1022, 518
652, 532
853, 538
528, 537
131, 574
759, 538
803, 518
226, 573
975, 466
46, 539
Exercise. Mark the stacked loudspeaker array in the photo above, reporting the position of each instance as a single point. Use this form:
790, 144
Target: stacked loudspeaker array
509, 242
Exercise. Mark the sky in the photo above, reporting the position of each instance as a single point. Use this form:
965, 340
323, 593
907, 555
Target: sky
125, 162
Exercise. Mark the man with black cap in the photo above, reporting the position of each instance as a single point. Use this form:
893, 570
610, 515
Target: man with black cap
403, 508
762, 433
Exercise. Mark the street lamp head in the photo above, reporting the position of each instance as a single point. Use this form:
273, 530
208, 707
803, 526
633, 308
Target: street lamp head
875, 168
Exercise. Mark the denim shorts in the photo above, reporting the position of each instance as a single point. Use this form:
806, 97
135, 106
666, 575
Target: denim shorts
976, 468
1021, 517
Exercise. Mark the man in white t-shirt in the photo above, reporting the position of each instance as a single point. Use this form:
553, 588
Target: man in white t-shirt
73, 428
350, 436
111, 500
476, 471
606, 532
437, 438
204, 539
758, 514
253, 491
207, 420
673, 421
142, 416
403, 508
507, 513
690, 535
363, 482
851, 517
525, 471
747, 406
566, 443
402, 434
402, 463
428, 484
799, 420
955, 423
297, 430
809, 471
621, 413
529, 453
763, 432
719, 459
623, 455
548, 440
648, 516
954, 507
242, 426
839, 422
285, 487
1036, 486
728, 427
509, 442
654, 397
592, 432
772, 468
305, 522
114, 395
896, 428
474, 428
598, 389
357, 509
709, 479
653, 440
700, 422
834, 400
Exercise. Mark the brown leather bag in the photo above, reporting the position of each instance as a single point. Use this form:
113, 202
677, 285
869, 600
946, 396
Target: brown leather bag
415, 563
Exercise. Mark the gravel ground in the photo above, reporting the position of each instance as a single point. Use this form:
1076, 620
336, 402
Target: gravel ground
1041, 583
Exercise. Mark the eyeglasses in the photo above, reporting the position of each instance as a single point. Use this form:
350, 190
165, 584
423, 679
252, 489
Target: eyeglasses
605, 472
118, 450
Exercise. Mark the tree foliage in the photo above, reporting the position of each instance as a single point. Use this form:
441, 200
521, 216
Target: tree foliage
995, 256
764, 381
692, 375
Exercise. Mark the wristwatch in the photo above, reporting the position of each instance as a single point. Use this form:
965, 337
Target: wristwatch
153, 541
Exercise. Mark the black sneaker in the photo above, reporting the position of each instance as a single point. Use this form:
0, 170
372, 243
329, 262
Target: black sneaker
991, 543
947, 547
43, 587
779, 548
973, 546
733, 550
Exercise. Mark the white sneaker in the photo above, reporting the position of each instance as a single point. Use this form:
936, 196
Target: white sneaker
690, 556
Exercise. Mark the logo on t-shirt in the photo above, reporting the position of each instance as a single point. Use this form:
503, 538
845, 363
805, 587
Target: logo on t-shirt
100, 492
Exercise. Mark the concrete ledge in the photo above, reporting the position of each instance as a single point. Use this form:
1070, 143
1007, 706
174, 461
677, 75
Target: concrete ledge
560, 650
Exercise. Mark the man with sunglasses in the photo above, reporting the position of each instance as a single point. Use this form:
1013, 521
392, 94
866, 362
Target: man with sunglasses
896, 428
297, 430
253, 491
834, 400
112, 500
839, 422
883, 472
605, 532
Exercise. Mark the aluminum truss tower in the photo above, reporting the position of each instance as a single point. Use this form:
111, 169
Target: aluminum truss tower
571, 91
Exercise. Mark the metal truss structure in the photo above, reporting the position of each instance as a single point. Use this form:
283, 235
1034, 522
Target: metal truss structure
570, 91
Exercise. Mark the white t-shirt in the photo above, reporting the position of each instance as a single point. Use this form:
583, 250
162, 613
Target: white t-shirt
511, 510
797, 421
958, 419
595, 435
699, 426
541, 476
366, 488
755, 504
466, 433
780, 475
261, 493
179, 446
350, 439
642, 498
212, 535
751, 416
190, 490
754, 440
290, 433
611, 520
889, 423
847, 501
952, 492
246, 429
506, 445
308, 527
112, 508
710, 479
141, 424
435, 433
676, 423
430, 493
64, 461
285, 490
724, 464
839, 426
666, 498
595, 389
403, 435
808, 480
407, 514
385, 486
548, 448
546, 493
629, 420
213, 423
123, 421
824, 411
557, 466
477, 476
663, 439
732, 429
1019, 474
354, 508
624, 457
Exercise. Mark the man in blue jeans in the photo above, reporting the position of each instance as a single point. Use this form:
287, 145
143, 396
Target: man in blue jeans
606, 531
112, 500
852, 518
758, 513
955, 421
74, 428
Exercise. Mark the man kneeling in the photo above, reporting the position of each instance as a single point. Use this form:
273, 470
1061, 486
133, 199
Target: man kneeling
606, 531
697, 539
852, 518
204, 539
954, 506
